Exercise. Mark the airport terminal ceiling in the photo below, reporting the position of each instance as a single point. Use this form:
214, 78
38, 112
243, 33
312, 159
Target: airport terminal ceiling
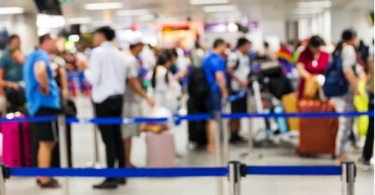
151, 11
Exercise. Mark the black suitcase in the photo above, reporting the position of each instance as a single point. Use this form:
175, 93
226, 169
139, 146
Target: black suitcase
197, 129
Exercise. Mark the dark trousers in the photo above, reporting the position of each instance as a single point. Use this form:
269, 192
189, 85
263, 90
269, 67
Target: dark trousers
111, 134
369, 144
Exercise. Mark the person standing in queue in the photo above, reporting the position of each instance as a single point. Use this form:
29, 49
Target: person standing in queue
43, 99
214, 68
10, 69
238, 67
132, 101
108, 72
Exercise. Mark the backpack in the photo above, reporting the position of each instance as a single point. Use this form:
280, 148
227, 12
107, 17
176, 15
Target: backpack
198, 85
335, 83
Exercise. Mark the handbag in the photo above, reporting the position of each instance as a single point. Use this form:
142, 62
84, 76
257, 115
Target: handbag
311, 88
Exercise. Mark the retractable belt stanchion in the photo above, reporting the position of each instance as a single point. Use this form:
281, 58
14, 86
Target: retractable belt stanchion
348, 175
96, 163
235, 174
225, 132
218, 148
63, 150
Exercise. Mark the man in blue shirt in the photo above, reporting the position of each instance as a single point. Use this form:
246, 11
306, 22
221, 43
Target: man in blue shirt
10, 70
214, 67
43, 99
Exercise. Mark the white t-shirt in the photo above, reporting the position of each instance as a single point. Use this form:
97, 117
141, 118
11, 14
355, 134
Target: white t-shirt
242, 71
132, 64
107, 72
349, 59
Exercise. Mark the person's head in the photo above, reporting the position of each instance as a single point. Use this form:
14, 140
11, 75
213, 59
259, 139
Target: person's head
17, 56
48, 43
136, 43
172, 55
266, 45
103, 34
349, 36
14, 41
314, 44
220, 46
243, 45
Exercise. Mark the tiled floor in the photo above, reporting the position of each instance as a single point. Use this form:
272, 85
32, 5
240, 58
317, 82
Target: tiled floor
257, 185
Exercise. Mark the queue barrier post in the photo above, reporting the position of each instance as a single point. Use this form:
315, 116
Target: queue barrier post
348, 174
235, 174
218, 155
61, 121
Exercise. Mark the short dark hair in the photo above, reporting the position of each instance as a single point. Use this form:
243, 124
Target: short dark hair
315, 41
218, 43
266, 44
44, 38
107, 31
241, 42
348, 34
135, 45
12, 37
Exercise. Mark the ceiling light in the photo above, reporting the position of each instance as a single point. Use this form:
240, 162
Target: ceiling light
11, 10
73, 38
220, 8
134, 12
49, 21
146, 17
314, 4
103, 6
84, 20
201, 2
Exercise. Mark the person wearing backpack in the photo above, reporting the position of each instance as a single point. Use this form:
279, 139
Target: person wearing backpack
214, 69
346, 88
238, 67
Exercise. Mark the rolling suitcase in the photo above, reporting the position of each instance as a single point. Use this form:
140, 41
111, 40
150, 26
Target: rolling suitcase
160, 150
16, 143
317, 135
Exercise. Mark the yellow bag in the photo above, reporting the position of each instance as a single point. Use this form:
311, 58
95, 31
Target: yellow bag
311, 88
290, 106
361, 105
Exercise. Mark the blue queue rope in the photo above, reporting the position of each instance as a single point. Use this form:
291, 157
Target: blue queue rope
294, 170
35, 119
130, 173
175, 172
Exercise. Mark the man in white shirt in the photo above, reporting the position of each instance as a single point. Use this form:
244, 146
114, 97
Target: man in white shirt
108, 73
238, 67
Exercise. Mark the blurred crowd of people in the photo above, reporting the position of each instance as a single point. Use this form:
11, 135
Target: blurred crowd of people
119, 81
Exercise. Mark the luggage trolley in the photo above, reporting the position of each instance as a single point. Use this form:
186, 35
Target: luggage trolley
263, 78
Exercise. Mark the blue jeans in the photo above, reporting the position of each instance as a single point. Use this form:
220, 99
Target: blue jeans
213, 102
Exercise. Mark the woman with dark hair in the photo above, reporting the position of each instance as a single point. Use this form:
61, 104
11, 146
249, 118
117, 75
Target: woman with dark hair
345, 103
312, 61
166, 89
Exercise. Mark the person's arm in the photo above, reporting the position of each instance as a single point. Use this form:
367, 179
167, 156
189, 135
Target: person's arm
40, 71
64, 84
302, 71
92, 70
232, 63
220, 79
134, 84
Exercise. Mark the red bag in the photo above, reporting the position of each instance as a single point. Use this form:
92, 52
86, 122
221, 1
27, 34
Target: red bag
317, 135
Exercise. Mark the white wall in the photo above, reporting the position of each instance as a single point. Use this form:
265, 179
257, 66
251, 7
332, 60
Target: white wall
25, 26
345, 18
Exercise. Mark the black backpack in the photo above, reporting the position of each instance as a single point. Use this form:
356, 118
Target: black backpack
198, 85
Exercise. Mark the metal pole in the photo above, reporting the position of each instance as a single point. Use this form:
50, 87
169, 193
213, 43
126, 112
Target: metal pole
348, 175
234, 178
96, 163
251, 154
225, 132
218, 156
2, 181
63, 150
